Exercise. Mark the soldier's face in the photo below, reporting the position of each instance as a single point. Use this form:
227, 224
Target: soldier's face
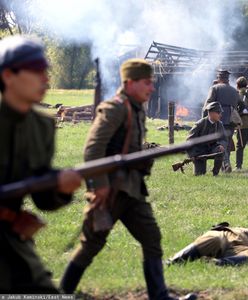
140, 90
28, 85
214, 116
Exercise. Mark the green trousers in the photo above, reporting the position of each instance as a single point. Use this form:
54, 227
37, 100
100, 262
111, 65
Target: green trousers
136, 215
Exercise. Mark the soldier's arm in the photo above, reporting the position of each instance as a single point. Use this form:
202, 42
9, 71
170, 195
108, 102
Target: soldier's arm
50, 199
223, 140
110, 116
212, 97
195, 131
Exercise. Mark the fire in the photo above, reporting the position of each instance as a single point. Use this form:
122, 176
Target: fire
181, 111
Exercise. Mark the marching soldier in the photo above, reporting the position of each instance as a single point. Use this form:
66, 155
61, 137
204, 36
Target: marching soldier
119, 127
205, 126
228, 97
27, 146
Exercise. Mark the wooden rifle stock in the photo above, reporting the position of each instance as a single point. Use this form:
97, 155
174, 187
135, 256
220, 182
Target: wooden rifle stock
99, 166
179, 165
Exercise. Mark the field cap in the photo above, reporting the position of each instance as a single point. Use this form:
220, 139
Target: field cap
223, 74
214, 106
135, 69
19, 52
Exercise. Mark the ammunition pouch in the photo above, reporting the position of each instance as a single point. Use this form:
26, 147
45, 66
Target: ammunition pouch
24, 223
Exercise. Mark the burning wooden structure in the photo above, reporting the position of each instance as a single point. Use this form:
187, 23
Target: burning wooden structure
175, 66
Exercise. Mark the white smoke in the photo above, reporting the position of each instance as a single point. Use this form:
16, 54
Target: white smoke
109, 24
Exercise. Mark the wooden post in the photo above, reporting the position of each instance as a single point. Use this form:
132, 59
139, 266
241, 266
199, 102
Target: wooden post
171, 117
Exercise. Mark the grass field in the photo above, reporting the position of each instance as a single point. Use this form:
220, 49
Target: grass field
185, 206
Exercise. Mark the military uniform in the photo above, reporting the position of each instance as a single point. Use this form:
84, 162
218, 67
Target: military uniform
27, 145
228, 97
108, 136
204, 127
229, 245
243, 111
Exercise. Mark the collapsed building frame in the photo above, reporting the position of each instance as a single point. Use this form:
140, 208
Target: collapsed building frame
169, 62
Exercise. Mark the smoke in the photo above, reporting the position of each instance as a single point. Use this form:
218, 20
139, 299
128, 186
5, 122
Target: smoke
109, 24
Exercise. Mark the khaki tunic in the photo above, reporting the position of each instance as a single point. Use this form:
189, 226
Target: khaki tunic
224, 243
107, 136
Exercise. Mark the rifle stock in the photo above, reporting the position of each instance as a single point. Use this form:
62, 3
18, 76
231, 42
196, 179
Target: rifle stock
99, 166
179, 165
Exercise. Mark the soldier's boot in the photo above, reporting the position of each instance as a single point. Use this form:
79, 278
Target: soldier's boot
188, 253
154, 276
71, 278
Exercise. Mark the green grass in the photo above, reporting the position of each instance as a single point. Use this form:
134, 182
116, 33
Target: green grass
69, 97
185, 206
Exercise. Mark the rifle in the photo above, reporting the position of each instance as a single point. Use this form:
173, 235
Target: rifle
99, 166
98, 87
179, 165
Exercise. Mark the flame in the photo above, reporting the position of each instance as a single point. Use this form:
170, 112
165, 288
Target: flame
181, 111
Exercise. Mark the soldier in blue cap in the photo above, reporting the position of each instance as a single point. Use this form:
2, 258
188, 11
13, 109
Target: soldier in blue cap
27, 146
207, 125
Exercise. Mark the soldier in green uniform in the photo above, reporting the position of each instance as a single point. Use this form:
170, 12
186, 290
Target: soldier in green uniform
207, 125
227, 245
119, 127
242, 132
27, 146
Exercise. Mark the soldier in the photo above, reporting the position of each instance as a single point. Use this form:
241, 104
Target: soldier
119, 127
228, 97
27, 146
227, 245
242, 132
208, 125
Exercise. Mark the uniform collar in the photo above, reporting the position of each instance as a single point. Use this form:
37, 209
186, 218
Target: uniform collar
123, 94
11, 114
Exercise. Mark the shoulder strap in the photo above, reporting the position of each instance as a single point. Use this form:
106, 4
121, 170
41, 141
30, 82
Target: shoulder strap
128, 126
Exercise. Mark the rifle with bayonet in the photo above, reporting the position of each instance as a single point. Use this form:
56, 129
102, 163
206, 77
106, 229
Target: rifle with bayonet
180, 165
100, 166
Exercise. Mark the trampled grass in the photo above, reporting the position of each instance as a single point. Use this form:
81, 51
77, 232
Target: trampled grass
185, 206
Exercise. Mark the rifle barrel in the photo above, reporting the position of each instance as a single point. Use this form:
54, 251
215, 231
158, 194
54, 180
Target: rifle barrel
98, 167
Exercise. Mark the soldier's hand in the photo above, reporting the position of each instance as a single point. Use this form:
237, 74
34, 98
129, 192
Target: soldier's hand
100, 197
221, 148
68, 181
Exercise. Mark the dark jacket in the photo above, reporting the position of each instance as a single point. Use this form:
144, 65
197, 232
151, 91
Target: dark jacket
227, 96
205, 127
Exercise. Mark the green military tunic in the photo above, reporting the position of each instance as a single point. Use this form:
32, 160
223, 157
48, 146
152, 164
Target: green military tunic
27, 146
107, 137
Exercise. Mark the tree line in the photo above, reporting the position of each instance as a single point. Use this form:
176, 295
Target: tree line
72, 66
